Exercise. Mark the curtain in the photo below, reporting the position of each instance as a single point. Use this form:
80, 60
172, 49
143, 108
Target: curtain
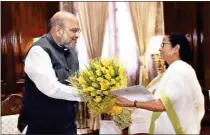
93, 16
120, 39
147, 19
66, 6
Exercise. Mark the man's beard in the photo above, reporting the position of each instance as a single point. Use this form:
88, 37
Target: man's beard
70, 45
65, 38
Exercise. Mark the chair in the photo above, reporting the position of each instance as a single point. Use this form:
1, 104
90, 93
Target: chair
10, 111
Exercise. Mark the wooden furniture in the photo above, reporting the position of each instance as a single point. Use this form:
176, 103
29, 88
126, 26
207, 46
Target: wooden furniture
11, 105
10, 109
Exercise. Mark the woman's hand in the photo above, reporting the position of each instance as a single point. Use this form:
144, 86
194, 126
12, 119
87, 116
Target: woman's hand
154, 105
124, 102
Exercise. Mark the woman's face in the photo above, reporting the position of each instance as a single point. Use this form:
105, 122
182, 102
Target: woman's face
166, 50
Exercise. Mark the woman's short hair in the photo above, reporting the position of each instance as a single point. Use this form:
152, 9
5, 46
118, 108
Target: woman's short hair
185, 51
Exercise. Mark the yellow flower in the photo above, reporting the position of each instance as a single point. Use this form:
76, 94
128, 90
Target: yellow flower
104, 86
107, 71
82, 80
97, 99
92, 78
90, 73
123, 82
118, 78
106, 63
113, 88
99, 92
97, 66
100, 79
113, 81
118, 85
90, 88
121, 70
108, 77
116, 110
115, 63
95, 85
105, 92
84, 86
85, 90
93, 93
103, 69
107, 82
85, 71
121, 76
98, 72
110, 67
82, 83
112, 72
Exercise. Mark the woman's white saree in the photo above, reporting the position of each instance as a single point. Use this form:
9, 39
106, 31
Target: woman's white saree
181, 94
182, 97
141, 118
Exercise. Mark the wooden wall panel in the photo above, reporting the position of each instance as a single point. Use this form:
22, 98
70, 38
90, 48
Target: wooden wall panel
206, 59
193, 19
186, 17
21, 22
206, 42
180, 16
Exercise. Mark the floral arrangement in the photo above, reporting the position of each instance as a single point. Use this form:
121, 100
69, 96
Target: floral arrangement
94, 84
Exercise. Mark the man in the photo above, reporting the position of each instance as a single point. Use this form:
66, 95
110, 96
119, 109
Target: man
49, 106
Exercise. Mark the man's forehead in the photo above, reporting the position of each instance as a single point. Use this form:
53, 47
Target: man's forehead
72, 23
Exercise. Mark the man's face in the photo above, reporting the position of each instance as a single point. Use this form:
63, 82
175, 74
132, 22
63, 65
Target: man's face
71, 33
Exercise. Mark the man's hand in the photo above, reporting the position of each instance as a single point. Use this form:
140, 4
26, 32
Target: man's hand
75, 91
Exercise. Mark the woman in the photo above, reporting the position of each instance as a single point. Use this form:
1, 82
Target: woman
179, 104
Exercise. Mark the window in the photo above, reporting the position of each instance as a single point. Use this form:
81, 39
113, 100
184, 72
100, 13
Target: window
120, 39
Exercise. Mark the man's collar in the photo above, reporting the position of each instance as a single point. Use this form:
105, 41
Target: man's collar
55, 45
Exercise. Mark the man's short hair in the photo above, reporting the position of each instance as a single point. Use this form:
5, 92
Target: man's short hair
54, 22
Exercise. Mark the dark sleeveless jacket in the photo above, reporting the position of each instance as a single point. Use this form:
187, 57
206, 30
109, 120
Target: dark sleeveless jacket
43, 114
